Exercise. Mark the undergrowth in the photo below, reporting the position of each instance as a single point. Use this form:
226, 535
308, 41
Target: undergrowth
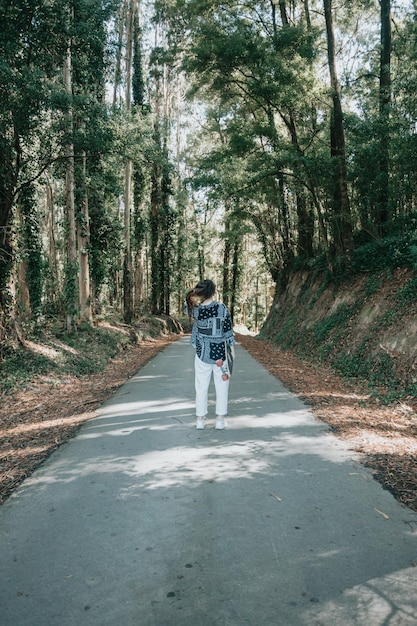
333, 336
85, 352
54, 353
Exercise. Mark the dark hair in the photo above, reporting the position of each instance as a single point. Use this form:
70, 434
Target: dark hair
203, 289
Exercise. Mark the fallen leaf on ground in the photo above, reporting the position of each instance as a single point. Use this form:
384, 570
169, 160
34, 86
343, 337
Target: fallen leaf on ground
384, 515
276, 497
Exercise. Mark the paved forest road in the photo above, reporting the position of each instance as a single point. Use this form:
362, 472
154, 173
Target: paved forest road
141, 520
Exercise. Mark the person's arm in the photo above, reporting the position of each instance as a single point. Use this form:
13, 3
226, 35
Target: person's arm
194, 333
228, 330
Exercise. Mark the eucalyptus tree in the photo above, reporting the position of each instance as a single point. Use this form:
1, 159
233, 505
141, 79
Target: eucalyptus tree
377, 116
32, 47
71, 265
259, 66
341, 218
403, 116
132, 121
141, 174
383, 209
164, 213
131, 20
86, 117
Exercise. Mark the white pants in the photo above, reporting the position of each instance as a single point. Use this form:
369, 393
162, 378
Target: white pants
203, 372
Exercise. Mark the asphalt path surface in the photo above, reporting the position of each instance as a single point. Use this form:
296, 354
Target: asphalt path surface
142, 520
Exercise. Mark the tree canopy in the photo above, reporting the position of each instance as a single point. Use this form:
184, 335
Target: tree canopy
144, 146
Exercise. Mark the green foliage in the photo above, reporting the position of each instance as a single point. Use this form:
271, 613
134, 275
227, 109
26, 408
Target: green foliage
355, 364
385, 254
138, 82
105, 246
85, 352
407, 294
388, 318
376, 370
318, 292
372, 285
288, 333
31, 38
89, 41
71, 288
390, 252
21, 367
32, 246
339, 319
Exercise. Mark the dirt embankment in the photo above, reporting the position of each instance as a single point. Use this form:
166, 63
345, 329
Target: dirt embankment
364, 328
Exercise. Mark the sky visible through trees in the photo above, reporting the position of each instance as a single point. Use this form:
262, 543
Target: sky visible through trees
147, 145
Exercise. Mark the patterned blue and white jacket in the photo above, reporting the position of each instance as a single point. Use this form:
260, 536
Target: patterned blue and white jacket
212, 327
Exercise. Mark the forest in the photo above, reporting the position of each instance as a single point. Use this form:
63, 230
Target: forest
146, 145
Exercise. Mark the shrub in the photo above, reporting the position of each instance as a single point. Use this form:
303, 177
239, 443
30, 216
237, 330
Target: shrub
387, 253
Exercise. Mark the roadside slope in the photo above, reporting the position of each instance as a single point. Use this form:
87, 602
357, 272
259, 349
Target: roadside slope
350, 350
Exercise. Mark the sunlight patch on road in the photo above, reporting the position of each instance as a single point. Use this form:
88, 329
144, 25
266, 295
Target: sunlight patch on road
391, 600
169, 468
123, 409
287, 419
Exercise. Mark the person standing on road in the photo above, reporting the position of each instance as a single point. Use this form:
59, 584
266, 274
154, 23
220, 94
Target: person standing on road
212, 337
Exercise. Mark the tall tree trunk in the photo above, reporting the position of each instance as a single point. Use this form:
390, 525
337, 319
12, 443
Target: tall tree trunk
154, 236
83, 237
71, 270
138, 97
227, 251
139, 277
305, 220
22, 289
167, 233
127, 263
9, 169
118, 64
199, 231
236, 271
160, 240
342, 223
53, 265
6, 260
382, 208
181, 228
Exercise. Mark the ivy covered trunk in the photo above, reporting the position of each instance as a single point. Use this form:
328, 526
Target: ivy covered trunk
341, 218
83, 241
382, 208
6, 261
30, 286
127, 261
71, 268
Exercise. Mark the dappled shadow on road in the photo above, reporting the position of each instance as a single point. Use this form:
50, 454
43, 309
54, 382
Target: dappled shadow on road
385, 601
37, 419
385, 433
274, 505
275, 468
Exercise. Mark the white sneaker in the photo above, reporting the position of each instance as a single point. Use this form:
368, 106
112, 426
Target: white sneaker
220, 423
200, 423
